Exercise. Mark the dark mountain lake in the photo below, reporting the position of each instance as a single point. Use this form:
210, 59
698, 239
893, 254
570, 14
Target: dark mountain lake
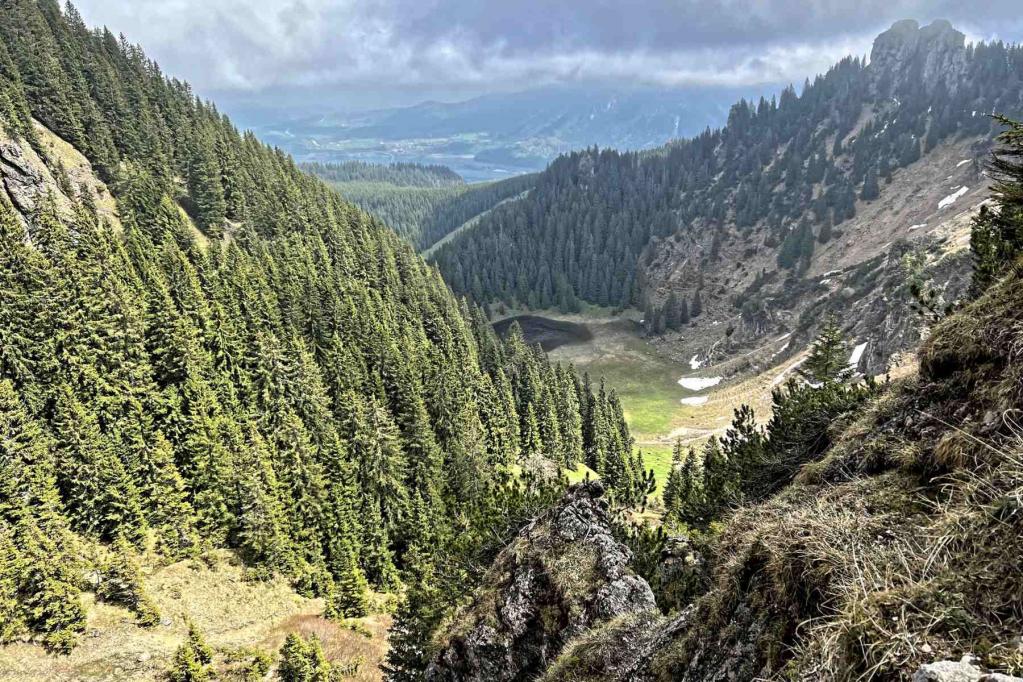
550, 334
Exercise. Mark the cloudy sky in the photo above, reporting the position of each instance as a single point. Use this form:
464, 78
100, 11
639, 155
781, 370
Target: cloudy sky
361, 53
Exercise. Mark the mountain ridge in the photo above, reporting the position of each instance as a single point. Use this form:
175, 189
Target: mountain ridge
768, 194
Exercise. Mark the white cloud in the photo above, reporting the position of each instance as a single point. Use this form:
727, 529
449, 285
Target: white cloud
255, 45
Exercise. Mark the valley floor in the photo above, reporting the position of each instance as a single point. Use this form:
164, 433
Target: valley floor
658, 408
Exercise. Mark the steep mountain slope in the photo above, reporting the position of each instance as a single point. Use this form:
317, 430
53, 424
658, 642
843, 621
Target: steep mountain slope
882, 543
205, 350
895, 549
754, 216
423, 204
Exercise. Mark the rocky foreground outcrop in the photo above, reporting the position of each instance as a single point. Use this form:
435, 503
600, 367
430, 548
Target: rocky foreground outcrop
564, 574
965, 670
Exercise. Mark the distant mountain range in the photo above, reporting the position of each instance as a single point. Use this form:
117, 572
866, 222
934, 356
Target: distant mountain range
494, 136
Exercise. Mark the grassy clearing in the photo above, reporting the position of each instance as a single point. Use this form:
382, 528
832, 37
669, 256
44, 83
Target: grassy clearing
234, 615
581, 473
647, 383
658, 458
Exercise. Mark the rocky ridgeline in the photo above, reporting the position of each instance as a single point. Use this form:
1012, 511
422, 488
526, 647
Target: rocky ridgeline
564, 574
907, 54
561, 603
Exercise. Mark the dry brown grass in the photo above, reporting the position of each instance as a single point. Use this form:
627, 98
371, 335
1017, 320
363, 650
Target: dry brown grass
362, 644
233, 613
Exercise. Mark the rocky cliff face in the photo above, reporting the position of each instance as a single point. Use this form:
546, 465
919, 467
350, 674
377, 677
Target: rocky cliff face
28, 176
907, 55
563, 575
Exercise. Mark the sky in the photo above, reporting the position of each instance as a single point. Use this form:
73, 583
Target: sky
353, 54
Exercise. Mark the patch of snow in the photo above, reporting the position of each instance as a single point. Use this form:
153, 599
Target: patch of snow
695, 400
698, 383
962, 163
781, 375
857, 354
780, 350
917, 226
783, 337
826, 282
952, 198
694, 362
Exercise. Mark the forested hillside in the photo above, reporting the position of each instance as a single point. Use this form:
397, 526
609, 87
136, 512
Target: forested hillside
866, 530
423, 204
754, 200
203, 347
397, 174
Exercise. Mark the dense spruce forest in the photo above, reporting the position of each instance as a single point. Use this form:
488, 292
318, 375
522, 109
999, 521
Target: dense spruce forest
244, 360
781, 175
423, 204
397, 174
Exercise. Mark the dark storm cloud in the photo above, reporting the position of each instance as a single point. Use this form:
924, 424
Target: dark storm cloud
445, 45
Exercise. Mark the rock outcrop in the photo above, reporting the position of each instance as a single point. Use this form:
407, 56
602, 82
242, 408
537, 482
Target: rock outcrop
964, 670
934, 55
28, 177
564, 574
20, 177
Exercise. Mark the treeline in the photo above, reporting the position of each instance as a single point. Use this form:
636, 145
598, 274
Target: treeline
783, 174
302, 389
401, 174
423, 214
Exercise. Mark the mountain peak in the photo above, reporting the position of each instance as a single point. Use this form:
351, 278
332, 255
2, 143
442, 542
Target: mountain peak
906, 38
931, 53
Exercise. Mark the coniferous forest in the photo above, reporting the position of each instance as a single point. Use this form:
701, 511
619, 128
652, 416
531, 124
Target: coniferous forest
214, 360
244, 360
782, 174
423, 204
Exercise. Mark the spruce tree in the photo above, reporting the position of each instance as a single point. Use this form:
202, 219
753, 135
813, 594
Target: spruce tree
169, 513
101, 499
12, 622
192, 660
121, 583
696, 309
996, 238
828, 360
348, 600
302, 660
48, 587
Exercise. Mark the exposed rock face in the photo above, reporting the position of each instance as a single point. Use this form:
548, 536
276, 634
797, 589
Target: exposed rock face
21, 179
28, 177
965, 670
564, 574
933, 55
